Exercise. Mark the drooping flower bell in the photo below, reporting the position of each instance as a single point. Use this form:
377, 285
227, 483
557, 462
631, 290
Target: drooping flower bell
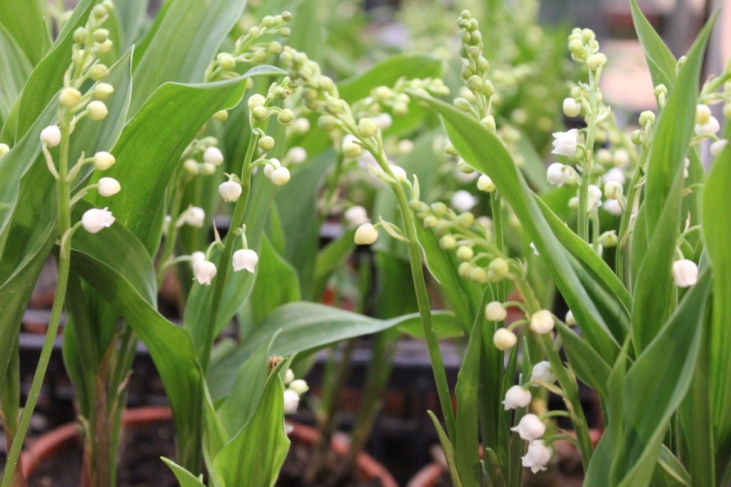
245, 259
542, 322
230, 191
685, 273
504, 339
366, 234
557, 174
542, 371
204, 271
94, 220
516, 397
565, 143
530, 427
537, 456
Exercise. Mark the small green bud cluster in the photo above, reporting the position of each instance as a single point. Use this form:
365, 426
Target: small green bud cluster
584, 48
201, 157
475, 71
260, 109
251, 48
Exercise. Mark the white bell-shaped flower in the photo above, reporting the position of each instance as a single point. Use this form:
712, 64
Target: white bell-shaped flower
537, 456
280, 176
366, 234
213, 155
495, 311
51, 136
504, 339
613, 207
463, 201
95, 219
195, 217
595, 198
711, 127
291, 401
356, 216
557, 174
245, 259
198, 255
516, 397
230, 191
685, 273
204, 271
565, 143
542, 322
299, 386
530, 427
542, 371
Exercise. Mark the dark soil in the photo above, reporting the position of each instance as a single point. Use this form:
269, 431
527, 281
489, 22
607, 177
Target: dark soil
140, 464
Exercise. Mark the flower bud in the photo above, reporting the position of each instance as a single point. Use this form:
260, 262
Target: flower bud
478, 275
465, 253
647, 117
226, 61
608, 239
495, 311
727, 111
352, 149
516, 397
685, 273
69, 97
103, 160
109, 186
80, 35
702, 114
245, 259
504, 339
299, 386
285, 117
102, 91
204, 271
207, 169
366, 234
356, 216
4, 149
51, 136
195, 217
571, 107
489, 123
570, 320
498, 269
711, 127
383, 121
542, 322
213, 155
557, 174
717, 147
220, 116
95, 219
266, 142
542, 371
99, 11
260, 113
288, 377
100, 35
484, 183
97, 110
530, 427
328, 123
595, 61
537, 456
613, 190
229, 191
98, 72
104, 47
280, 176
398, 172
367, 127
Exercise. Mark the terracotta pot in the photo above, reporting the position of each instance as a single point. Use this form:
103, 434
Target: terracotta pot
59, 438
368, 467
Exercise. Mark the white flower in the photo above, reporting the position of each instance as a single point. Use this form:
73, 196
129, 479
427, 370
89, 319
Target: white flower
195, 216
280, 176
702, 114
542, 371
613, 207
571, 107
296, 155
614, 174
230, 191
213, 155
198, 255
613, 190
484, 183
685, 273
109, 186
495, 311
204, 271
97, 110
383, 121
51, 136
4, 149
530, 427
463, 201
516, 397
271, 166
95, 219
291, 401
366, 234
595, 198
245, 259
356, 216
504, 339
103, 160
557, 174
718, 146
299, 386
537, 456
533, 247
570, 320
621, 158
288, 376
711, 127
564, 143
351, 149
542, 322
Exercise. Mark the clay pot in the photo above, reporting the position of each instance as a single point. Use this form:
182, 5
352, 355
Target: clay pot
54, 441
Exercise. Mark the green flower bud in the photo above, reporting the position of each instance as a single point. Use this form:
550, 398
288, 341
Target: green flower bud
478, 275
596, 61
274, 47
448, 242
260, 113
647, 117
636, 137
285, 32
102, 91
352, 149
465, 253
100, 35
285, 117
400, 109
489, 123
207, 169
464, 270
727, 110
430, 221
99, 11
98, 72
220, 116
608, 239
367, 127
191, 166
226, 61
488, 89
439, 208
69, 97
500, 268
97, 110
80, 35
104, 47
466, 219
327, 123
266, 142
462, 104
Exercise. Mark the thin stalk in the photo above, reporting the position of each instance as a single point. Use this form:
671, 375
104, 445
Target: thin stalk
171, 235
624, 228
583, 218
64, 264
224, 262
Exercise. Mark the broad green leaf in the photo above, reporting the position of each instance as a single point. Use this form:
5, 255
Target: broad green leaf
132, 15
448, 450
16, 69
297, 207
300, 326
659, 58
466, 443
185, 478
329, 258
117, 265
484, 151
394, 294
717, 235
670, 472
445, 326
26, 24
170, 56
254, 456
47, 77
663, 372
585, 361
276, 283
308, 32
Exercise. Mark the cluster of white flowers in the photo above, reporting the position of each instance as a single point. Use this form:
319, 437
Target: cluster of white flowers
295, 388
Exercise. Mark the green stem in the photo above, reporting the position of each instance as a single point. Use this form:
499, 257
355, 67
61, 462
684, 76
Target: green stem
624, 228
64, 261
224, 262
172, 233
583, 218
